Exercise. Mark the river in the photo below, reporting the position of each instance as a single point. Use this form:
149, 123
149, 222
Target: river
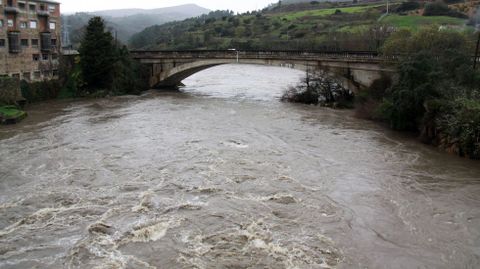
223, 175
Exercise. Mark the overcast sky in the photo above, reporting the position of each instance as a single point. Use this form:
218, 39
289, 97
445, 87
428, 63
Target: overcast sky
69, 6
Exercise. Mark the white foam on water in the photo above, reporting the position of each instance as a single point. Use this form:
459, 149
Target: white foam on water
254, 245
235, 144
153, 231
146, 202
282, 198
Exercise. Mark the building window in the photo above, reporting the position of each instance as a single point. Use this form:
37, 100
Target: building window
46, 73
53, 42
17, 76
22, 6
23, 25
53, 25
24, 43
54, 56
51, 8
36, 57
45, 57
26, 76
10, 23
10, 3
32, 8
2, 43
55, 73
1, 23
33, 24
34, 43
36, 75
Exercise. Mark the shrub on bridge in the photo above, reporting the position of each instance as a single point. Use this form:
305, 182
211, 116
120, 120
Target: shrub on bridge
436, 64
131, 77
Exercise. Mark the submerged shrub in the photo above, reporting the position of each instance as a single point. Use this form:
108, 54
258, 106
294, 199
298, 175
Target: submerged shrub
319, 88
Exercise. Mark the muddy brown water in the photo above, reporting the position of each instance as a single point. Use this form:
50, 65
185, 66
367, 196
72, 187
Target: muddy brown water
222, 175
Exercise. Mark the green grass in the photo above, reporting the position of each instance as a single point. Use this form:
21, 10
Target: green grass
415, 22
11, 112
325, 12
355, 28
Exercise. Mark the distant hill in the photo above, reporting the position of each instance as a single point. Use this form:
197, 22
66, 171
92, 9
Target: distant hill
308, 1
305, 26
186, 11
127, 22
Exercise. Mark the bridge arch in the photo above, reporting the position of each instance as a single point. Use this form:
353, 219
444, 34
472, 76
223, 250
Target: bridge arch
172, 77
170, 68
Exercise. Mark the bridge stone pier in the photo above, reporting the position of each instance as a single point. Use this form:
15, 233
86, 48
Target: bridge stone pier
354, 70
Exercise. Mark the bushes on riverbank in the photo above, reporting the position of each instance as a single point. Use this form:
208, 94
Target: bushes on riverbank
456, 126
40, 91
437, 92
9, 90
10, 100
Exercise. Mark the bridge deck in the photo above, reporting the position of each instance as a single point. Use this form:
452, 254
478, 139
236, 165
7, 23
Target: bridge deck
231, 54
371, 56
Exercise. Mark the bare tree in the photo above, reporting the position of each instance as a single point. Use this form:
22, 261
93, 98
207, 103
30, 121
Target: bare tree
317, 87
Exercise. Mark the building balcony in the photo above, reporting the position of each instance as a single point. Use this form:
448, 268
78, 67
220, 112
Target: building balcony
11, 10
43, 13
14, 42
46, 41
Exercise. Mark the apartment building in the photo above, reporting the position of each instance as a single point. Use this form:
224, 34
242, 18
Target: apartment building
30, 32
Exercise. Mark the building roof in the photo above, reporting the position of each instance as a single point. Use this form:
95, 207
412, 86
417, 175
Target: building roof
45, 1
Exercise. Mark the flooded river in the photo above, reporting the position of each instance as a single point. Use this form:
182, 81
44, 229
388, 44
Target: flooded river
222, 175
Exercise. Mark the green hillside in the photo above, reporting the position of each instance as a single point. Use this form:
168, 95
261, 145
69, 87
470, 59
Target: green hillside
414, 22
327, 11
316, 26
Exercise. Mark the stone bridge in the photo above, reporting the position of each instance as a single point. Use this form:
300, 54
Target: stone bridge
354, 70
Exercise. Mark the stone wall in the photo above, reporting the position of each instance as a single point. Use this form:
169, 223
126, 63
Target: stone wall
10, 90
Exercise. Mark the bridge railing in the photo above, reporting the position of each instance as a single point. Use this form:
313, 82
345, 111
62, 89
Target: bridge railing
263, 54
250, 54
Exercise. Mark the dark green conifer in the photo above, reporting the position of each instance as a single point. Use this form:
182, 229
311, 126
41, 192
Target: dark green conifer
97, 56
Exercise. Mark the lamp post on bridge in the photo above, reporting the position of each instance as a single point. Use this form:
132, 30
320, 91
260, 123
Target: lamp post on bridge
477, 50
238, 56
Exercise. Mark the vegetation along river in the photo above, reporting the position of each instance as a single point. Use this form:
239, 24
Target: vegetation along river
223, 175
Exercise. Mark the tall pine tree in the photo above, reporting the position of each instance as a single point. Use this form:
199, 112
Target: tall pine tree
97, 56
